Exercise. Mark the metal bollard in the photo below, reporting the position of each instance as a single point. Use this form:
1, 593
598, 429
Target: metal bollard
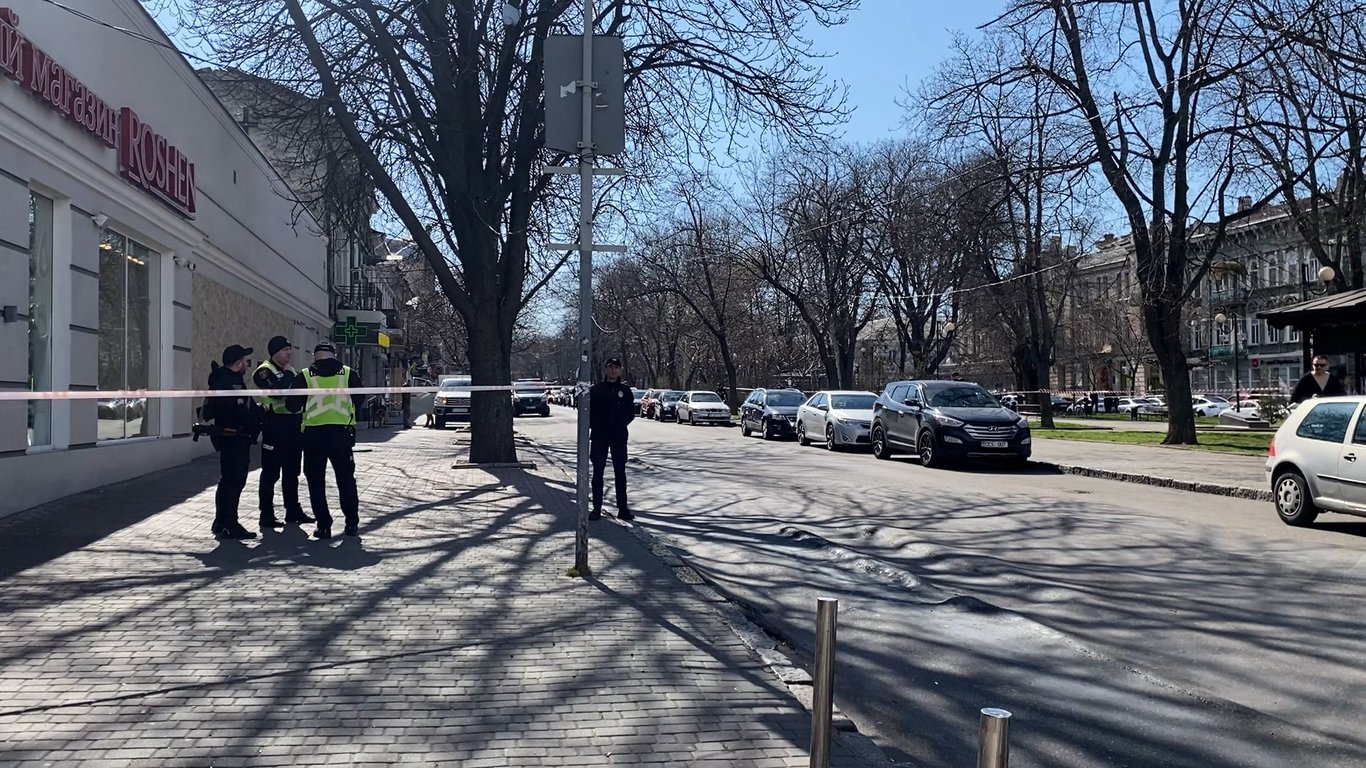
823, 687
993, 739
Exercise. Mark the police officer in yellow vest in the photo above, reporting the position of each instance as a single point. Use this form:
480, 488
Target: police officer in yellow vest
281, 439
329, 433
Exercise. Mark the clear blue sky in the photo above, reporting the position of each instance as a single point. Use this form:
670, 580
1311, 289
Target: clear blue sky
890, 45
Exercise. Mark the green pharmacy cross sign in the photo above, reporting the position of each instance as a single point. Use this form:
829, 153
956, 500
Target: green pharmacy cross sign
352, 333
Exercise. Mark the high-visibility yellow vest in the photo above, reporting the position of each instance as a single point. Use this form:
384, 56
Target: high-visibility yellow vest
327, 410
270, 404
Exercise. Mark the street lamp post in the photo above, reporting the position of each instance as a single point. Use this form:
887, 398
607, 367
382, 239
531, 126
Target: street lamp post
1221, 318
1326, 276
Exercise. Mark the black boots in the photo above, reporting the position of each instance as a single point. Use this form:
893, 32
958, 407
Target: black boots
231, 531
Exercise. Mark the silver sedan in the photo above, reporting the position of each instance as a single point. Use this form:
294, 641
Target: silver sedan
839, 418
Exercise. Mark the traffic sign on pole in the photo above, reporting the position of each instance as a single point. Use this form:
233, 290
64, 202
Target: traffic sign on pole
564, 100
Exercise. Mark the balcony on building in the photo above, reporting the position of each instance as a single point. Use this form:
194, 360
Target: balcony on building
360, 296
1236, 297
1225, 351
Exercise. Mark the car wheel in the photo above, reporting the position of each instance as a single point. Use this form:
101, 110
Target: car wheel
1294, 503
802, 439
745, 431
691, 421
830, 443
929, 457
768, 430
880, 448
440, 423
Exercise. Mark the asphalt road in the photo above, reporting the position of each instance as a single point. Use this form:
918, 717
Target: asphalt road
1123, 625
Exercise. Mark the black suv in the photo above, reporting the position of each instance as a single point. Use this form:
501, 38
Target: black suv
942, 420
771, 412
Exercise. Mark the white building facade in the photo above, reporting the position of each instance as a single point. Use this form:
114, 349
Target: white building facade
141, 232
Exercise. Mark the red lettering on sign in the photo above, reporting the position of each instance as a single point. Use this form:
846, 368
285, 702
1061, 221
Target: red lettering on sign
38, 72
146, 158
11, 47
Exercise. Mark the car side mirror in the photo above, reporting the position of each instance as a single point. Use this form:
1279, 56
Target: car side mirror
822, 407
911, 401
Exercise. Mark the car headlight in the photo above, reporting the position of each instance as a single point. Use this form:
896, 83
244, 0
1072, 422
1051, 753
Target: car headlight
947, 421
1022, 422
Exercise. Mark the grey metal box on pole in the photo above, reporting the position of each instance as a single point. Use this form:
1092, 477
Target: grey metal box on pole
564, 104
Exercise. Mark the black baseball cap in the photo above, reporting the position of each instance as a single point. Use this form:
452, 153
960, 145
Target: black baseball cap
278, 343
325, 346
613, 361
234, 353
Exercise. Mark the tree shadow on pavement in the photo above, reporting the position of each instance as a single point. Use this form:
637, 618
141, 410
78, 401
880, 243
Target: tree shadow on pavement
448, 632
1079, 616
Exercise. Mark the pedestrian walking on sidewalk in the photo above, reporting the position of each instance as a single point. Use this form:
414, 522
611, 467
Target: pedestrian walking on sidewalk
1319, 382
235, 426
329, 434
281, 437
611, 407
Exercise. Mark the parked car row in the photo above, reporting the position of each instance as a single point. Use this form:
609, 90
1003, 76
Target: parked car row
938, 421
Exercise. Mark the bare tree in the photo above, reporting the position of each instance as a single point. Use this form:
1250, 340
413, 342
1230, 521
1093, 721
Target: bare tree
813, 224
441, 104
919, 266
696, 258
1310, 136
1157, 86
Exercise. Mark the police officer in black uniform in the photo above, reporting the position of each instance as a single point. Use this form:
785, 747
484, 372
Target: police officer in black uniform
235, 428
281, 437
611, 406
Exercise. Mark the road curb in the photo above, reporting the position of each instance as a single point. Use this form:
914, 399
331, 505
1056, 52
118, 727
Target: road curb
1213, 489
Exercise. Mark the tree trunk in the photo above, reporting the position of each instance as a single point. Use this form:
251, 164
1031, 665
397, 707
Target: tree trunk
1163, 320
846, 368
733, 386
491, 410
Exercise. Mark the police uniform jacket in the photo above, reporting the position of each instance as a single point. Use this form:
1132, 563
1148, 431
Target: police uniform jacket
265, 378
611, 406
329, 367
235, 413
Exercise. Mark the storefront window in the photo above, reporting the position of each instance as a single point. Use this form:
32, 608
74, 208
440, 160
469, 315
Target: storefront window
127, 342
39, 317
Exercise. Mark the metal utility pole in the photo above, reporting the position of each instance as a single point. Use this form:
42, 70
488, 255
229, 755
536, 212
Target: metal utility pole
585, 380
571, 127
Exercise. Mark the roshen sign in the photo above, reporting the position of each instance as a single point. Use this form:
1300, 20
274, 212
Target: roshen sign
146, 158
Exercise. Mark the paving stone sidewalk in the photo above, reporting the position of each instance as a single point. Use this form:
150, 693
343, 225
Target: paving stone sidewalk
447, 633
1225, 474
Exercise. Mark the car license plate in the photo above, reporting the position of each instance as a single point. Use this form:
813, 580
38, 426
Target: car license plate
995, 444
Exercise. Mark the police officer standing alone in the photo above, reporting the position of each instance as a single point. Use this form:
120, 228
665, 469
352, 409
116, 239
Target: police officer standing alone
611, 406
235, 427
329, 434
281, 439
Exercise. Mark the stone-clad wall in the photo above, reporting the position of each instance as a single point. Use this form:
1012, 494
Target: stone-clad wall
223, 316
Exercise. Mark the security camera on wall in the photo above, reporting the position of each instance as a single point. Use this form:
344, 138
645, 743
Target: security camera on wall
100, 220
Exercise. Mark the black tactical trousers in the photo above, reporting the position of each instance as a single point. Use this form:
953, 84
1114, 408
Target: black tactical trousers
598, 449
234, 462
281, 460
324, 445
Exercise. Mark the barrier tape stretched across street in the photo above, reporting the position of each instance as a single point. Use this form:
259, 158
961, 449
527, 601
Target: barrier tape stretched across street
134, 394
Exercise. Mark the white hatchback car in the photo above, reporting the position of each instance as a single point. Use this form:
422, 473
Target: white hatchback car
1317, 460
